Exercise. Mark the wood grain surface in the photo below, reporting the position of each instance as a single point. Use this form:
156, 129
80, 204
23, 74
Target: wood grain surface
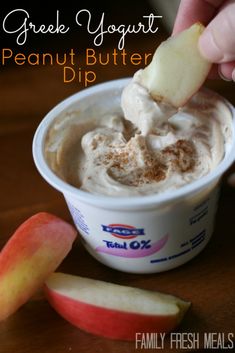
26, 95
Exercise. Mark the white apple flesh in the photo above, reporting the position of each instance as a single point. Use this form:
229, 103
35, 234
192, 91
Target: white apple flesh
111, 310
177, 69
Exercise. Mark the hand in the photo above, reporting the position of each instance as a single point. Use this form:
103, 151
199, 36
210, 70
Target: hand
217, 43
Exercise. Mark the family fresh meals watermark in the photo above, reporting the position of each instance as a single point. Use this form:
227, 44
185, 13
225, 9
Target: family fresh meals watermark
19, 25
185, 341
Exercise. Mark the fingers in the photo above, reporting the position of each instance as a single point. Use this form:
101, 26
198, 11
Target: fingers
217, 43
191, 11
227, 71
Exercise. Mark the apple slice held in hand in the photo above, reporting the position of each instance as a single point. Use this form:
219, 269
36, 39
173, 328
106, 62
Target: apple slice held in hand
111, 310
177, 69
34, 251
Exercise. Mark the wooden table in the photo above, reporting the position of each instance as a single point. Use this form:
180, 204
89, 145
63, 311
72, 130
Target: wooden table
26, 94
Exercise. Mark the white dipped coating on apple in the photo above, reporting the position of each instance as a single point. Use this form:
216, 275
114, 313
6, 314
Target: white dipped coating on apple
177, 69
113, 310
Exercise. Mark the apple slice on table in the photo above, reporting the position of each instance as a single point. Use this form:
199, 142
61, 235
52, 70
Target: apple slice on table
177, 69
111, 310
34, 251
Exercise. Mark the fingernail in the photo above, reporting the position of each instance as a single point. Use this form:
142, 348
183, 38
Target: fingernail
208, 47
224, 77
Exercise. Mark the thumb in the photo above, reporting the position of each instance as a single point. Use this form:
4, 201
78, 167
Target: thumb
217, 43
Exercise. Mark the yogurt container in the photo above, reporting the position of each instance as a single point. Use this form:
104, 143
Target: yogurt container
139, 234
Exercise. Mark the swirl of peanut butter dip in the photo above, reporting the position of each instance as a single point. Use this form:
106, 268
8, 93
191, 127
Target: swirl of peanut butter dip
153, 148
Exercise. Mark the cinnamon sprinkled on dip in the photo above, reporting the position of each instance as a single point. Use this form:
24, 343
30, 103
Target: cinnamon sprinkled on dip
151, 149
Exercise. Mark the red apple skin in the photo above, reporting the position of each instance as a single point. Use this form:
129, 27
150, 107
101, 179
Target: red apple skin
106, 322
34, 251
